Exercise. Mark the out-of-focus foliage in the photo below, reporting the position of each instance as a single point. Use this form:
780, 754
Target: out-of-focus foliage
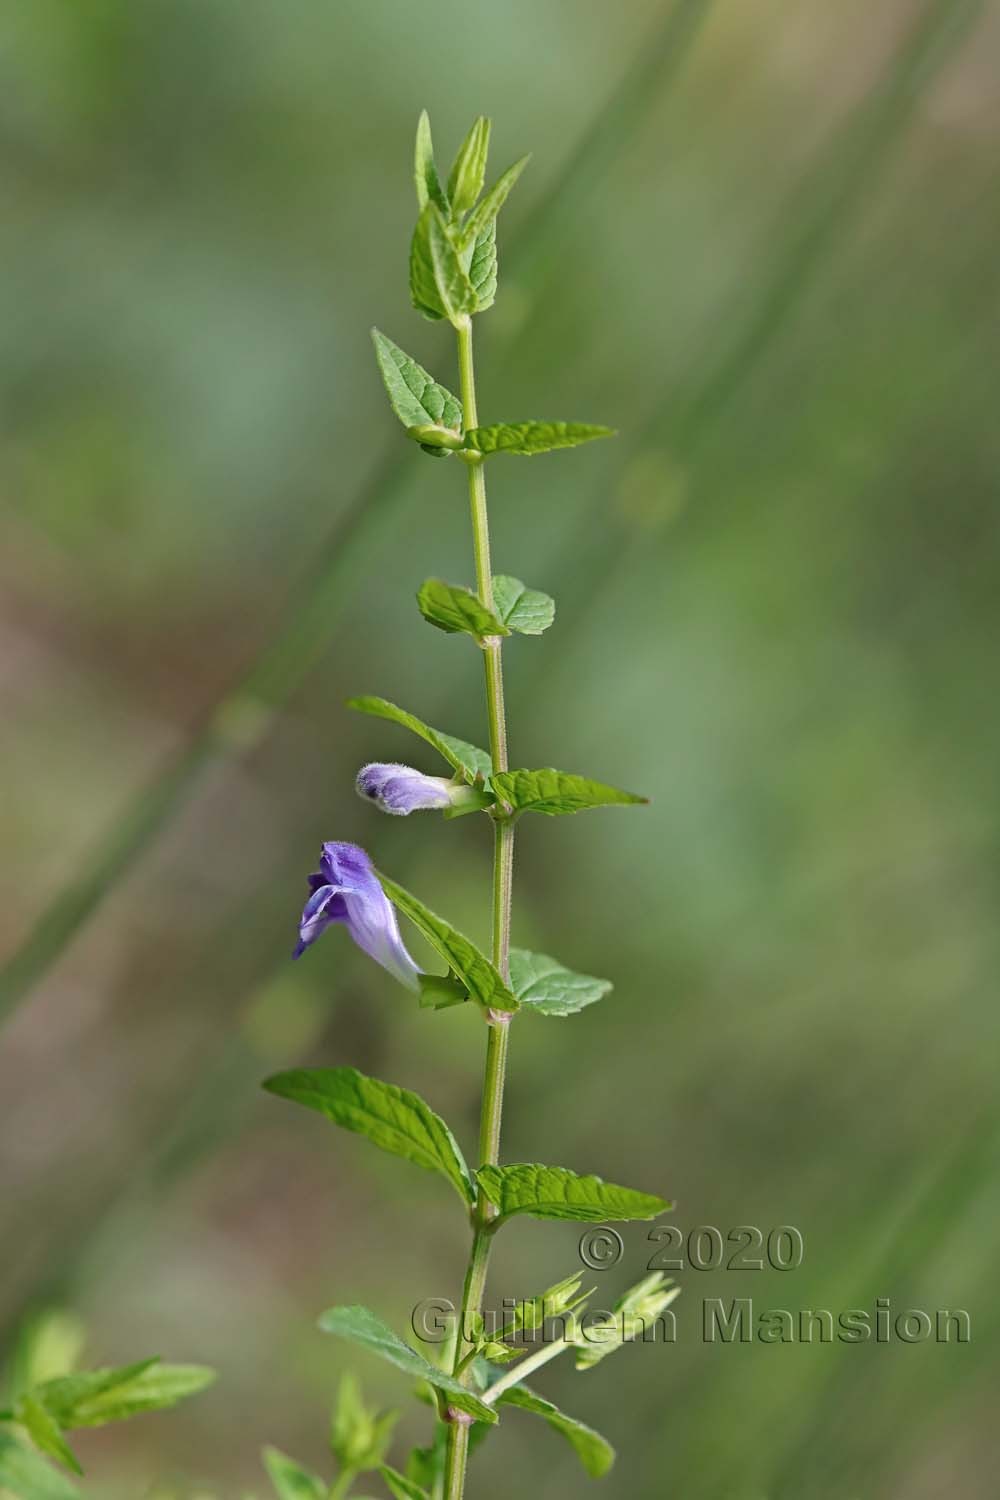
762, 242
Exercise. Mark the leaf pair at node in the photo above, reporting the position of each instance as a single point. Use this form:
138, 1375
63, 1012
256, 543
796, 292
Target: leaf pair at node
433, 417
401, 1123
545, 790
516, 608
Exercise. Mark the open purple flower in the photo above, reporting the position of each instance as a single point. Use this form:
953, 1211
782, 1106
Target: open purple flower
401, 790
346, 889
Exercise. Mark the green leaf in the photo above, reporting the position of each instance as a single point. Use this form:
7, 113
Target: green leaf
401, 1487
440, 991
454, 609
28, 1476
527, 438
392, 1118
290, 1480
92, 1398
474, 764
465, 181
425, 175
43, 1429
522, 609
361, 1326
557, 1193
439, 284
415, 396
425, 1466
471, 967
485, 212
359, 1437
483, 266
542, 983
71, 1399
594, 1452
553, 792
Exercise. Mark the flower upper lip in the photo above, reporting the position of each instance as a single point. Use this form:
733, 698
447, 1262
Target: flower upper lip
347, 890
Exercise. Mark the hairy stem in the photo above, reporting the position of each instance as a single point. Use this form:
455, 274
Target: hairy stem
503, 868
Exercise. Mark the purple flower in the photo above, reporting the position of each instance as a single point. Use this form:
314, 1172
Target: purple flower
401, 790
346, 889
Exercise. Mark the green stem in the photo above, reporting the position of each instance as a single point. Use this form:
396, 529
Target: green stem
503, 868
516, 1373
342, 1486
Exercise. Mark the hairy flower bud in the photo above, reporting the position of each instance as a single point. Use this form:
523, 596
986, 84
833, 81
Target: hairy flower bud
401, 790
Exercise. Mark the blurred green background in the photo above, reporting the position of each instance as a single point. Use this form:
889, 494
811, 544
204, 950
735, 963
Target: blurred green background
760, 238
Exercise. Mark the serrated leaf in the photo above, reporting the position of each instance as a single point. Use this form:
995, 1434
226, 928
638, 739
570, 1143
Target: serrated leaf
594, 1451
291, 1481
483, 266
485, 212
553, 792
466, 178
24, 1473
472, 762
360, 1326
525, 610
470, 966
439, 284
545, 986
526, 438
557, 1193
92, 1398
425, 175
414, 396
399, 1486
43, 1430
453, 608
392, 1118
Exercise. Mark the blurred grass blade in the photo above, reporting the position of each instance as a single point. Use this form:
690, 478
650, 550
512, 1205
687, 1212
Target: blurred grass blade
820, 212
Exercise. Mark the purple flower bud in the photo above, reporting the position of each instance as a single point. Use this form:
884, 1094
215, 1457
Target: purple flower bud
401, 790
346, 889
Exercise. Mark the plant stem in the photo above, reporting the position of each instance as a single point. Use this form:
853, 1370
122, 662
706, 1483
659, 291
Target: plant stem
516, 1373
342, 1485
503, 869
